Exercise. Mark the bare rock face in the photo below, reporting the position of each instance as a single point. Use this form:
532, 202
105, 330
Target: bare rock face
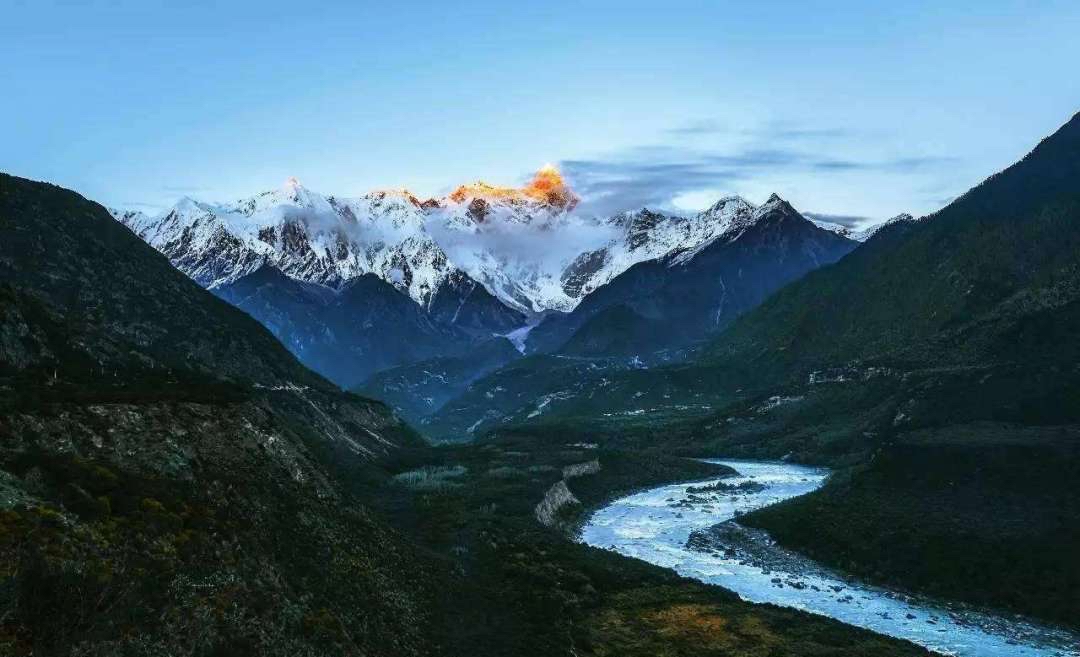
478, 210
560, 495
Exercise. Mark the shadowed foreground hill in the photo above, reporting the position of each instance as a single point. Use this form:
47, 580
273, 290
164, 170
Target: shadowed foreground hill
951, 348
167, 468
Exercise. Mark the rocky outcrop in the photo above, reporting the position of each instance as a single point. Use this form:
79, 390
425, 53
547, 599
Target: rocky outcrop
555, 498
560, 495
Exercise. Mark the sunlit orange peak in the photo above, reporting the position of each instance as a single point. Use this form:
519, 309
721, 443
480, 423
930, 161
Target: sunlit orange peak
547, 186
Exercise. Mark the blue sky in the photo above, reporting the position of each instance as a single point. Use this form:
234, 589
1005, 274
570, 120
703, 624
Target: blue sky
844, 108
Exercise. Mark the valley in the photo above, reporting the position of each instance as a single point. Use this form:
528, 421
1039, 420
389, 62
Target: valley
561, 329
299, 424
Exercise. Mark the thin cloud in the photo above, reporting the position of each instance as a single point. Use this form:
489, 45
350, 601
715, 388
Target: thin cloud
696, 128
654, 175
896, 165
609, 186
904, 164
838, 165
850, 221
773, 131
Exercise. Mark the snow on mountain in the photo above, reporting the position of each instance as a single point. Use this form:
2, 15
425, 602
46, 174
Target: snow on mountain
859, 235
310, 237
525, 245
516, 242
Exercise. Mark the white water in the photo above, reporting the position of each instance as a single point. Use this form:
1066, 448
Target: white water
648, 526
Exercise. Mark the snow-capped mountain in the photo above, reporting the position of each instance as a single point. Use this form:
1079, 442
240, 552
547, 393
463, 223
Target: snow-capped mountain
526, 246
333, 277
703, 271
867, 233
392, 234
307, 236
646, 235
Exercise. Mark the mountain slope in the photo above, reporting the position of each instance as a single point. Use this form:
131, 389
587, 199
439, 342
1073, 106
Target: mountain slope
171, 478
954, 288
346, 334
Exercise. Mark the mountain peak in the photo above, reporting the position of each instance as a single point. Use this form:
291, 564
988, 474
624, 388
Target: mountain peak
293, 191
727, 206
773, 200
549, 186
187, 204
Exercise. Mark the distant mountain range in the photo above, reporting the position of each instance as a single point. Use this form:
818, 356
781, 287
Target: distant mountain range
504, 238
332, 277
525, 246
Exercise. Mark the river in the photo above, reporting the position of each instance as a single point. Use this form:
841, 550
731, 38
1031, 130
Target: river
656, 526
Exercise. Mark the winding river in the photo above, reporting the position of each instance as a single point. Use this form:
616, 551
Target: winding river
670, 526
